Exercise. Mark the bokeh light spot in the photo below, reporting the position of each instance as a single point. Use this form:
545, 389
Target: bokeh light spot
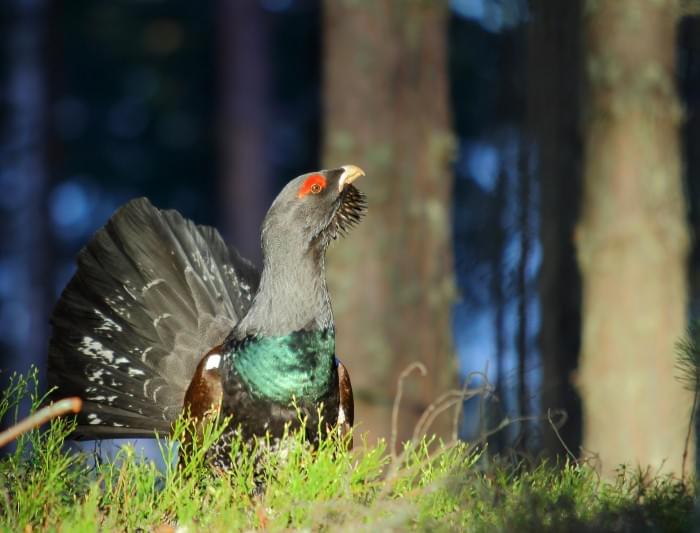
69, 204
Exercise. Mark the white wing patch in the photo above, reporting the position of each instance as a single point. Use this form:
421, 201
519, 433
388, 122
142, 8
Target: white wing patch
213, 361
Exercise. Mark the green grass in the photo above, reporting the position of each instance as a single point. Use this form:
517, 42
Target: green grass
428, 487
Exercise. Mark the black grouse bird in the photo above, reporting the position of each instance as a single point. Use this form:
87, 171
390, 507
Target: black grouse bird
161, 316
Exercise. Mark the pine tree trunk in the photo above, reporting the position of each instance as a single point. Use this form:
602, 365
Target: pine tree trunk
632, 238
523, 298
386, 110
499, 298
553, 117
689, 67
244, 103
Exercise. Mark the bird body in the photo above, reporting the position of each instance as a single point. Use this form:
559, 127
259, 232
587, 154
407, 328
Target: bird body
162, 317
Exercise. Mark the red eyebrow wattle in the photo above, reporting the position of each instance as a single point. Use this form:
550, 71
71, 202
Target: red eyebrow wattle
314, 179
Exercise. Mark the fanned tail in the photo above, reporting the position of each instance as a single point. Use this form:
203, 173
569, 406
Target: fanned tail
152, 294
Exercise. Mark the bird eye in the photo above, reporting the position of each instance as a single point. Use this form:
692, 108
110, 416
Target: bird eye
314, 184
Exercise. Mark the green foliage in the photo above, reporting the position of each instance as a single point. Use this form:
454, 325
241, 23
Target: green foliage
688, 358
688, 365
430, 486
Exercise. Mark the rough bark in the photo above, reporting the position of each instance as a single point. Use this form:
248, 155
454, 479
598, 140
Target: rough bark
386, 110
632, 238
553, 118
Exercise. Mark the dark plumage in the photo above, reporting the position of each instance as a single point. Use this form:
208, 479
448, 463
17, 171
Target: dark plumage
161, 316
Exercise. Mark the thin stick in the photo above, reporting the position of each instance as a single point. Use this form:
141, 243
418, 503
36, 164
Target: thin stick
397, 402
437, 410
482, 391
429, 414
691, 423
482, 401
59, 408
556, 432
502, 425
438, 406
458, 412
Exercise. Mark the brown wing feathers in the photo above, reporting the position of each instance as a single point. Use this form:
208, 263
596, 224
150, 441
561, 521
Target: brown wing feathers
346, 413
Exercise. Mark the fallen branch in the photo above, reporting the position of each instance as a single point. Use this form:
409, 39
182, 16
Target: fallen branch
59, 408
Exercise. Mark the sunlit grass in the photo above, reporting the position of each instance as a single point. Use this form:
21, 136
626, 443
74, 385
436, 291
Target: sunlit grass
429, 487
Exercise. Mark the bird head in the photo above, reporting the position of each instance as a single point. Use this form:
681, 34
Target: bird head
313, 209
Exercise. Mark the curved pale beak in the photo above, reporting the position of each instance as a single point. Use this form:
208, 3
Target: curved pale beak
350, 174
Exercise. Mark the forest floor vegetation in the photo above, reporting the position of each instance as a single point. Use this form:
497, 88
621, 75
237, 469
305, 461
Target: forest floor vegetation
45, 485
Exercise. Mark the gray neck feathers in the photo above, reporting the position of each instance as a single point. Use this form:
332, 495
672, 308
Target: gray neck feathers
292, 295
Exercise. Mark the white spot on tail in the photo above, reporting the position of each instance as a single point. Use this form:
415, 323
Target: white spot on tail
152, 284
213, 361
161, 317
341, 416
145, 353
96, 376
94, 349
155, 393
129, 291
107, 323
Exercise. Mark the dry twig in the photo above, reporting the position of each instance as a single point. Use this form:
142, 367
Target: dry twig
59, 408
397, 403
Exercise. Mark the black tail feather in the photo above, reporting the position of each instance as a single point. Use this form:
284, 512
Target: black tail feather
153, 293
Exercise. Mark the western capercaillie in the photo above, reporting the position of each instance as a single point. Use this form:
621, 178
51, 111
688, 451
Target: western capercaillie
162, 316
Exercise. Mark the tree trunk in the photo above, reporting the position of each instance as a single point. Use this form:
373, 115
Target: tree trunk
499, 299
689, 42
632, 239
522, 343
244, 181
386, 110
553, 117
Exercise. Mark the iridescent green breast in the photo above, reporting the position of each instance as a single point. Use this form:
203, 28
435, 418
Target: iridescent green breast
298, 365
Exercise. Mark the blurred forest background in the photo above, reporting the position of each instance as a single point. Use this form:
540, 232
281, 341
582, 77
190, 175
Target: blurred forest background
533, 174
